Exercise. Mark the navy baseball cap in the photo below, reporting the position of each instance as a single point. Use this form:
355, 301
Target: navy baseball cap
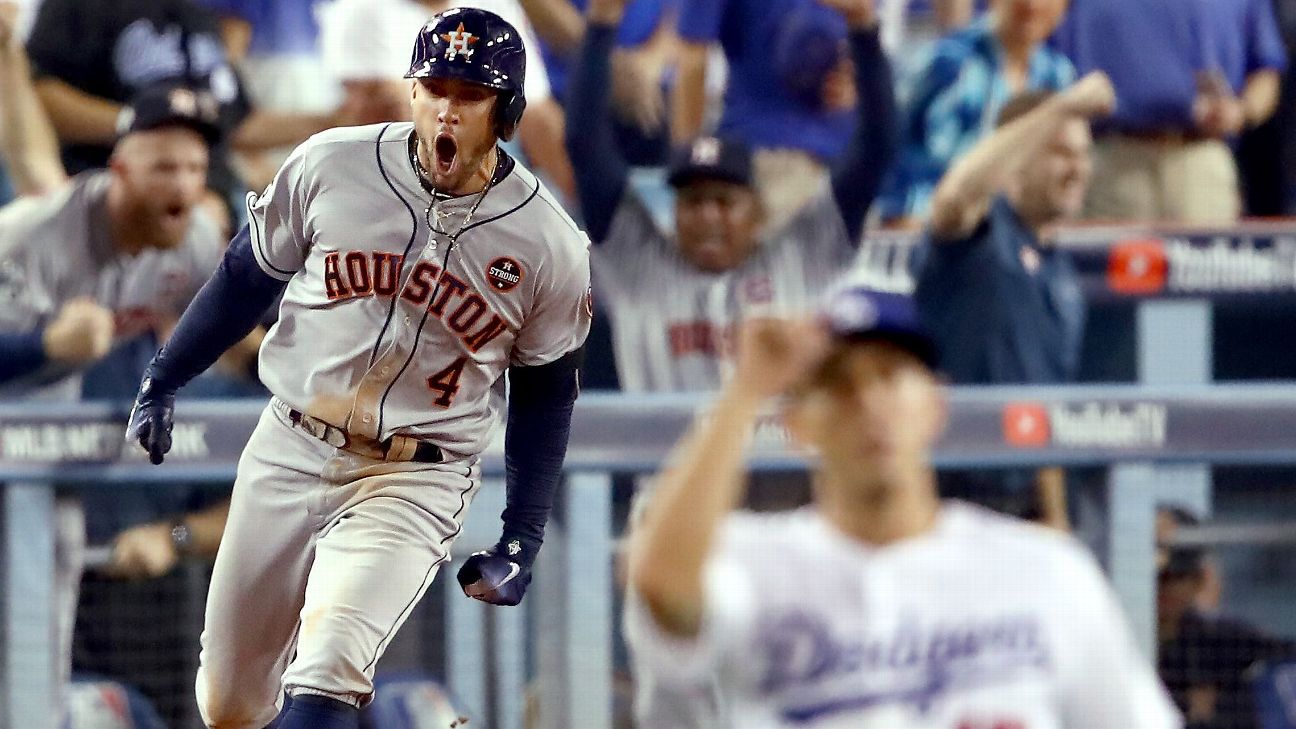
172, 105
860, 314
711, 158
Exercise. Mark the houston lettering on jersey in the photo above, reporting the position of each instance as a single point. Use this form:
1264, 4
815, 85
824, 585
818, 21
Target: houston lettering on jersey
356, 274
817, 673
701, 337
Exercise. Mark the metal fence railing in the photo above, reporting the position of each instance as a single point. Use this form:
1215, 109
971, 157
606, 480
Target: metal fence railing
1147, 435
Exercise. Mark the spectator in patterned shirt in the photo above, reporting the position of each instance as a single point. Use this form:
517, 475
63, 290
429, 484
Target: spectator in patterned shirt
958, 94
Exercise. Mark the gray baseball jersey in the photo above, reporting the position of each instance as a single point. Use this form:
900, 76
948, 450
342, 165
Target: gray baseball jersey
673, 325
384, 328
56, 248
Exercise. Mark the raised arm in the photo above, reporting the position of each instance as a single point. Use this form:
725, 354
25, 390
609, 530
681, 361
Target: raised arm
963, 196
28, 145
601, 170
557, 22
704, 479
858, 175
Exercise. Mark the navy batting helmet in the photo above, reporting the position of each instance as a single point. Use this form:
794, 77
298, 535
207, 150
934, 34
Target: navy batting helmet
480, 47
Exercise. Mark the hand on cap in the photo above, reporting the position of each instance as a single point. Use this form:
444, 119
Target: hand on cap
858, 13
1091, 96
81, 333
776, 354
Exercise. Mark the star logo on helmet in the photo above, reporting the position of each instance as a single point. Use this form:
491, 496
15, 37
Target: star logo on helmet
458, 43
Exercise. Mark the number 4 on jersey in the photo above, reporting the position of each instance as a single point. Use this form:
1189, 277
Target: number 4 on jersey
446, 382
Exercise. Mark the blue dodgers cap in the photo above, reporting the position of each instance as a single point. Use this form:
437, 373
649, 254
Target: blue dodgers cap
860, 314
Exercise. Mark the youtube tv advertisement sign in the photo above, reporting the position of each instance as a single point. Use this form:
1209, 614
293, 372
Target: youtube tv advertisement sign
1254, 261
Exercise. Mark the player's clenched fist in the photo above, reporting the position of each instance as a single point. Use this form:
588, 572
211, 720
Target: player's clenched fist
152, 418
81, 333
493, 576
775, 354
1091, 96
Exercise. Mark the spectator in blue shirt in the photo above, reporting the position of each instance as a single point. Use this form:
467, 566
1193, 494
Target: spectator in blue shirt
1189, 76
789, 92
1004, 305
960, 90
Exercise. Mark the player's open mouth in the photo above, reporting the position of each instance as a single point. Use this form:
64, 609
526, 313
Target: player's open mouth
175, 212
444, 149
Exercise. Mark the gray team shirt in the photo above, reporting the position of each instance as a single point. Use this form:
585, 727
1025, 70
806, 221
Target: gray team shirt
57, 247
384, 328
673, 325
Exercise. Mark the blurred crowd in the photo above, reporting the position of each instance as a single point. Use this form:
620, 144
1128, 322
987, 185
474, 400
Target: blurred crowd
726, 157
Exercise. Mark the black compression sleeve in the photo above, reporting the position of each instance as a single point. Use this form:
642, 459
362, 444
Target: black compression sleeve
21, 353
860, 171
601, 170
226, 309
535, 443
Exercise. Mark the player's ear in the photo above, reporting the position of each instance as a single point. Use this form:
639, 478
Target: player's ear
117, 161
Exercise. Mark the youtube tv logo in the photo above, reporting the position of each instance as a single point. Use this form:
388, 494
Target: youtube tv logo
1026, 425
1138, 267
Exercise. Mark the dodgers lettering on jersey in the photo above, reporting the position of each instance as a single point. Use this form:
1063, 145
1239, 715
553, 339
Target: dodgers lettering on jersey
385, 327
673, 326
983, 623
57, 247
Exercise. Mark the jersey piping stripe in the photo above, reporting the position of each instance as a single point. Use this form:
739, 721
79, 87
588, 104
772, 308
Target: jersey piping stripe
506, 213
257, 247
382, 403
427, 576
391, 310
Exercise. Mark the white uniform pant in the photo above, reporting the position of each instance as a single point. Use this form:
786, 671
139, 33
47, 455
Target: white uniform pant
325, 555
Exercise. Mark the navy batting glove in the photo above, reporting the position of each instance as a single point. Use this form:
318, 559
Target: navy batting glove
151, 420
494, 576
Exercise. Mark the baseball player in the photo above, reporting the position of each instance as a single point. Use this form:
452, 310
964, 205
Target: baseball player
876, 607
95, 261
418, 263
674, 299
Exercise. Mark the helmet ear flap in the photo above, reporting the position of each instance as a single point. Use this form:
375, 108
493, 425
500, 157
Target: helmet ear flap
508, 113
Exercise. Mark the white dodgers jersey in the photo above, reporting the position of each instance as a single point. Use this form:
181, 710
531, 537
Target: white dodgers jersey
982, 623
385, 326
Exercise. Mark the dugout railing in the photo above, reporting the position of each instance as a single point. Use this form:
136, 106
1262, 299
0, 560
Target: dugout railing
1159, 438
1147, 435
